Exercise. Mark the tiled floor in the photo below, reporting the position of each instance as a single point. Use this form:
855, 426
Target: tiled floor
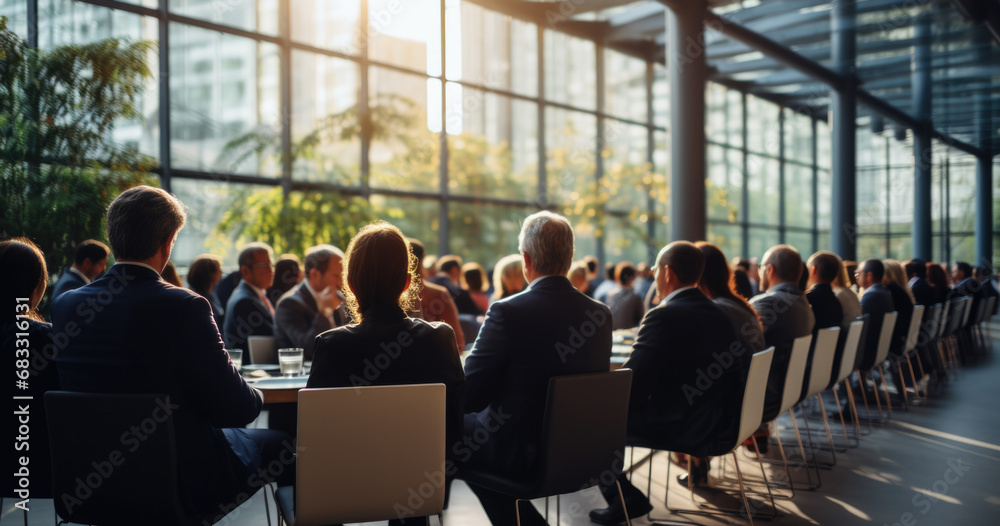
937, 464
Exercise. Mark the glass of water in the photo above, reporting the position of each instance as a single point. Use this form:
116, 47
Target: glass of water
236, 356
290, 361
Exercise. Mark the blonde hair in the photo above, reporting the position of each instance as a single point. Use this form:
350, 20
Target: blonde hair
894, 273
504, 269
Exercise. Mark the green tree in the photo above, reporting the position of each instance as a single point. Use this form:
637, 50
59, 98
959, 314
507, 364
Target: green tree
59, 168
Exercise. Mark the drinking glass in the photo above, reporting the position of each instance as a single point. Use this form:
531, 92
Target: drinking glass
236, 356
290, 361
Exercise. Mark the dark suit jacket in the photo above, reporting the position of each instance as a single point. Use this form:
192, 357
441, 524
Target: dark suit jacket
679, 399
152, 337
297, 321
550, 329
464, 302
224, 289
785, 314
876, 302
388, 348
67, 282
37, 349
923, 292
246, 315
825, 305
900, 303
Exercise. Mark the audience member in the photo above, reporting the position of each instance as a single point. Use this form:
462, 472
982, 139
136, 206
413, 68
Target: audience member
985, 277
203, 275
287, 274
876, 301
24, 334
428, 267
435, 301
578, 276
902, 302
89, 262
718, 283
626, 306
744, 288
170, 275
679, 339
450, 277
785, 315
508, 277
474, 281
643, 279
965, 285
153, 338
593, 274
526, 340
938, 279
753, 273
228, 283
381, 274
916, 273
823, 268
606, 287
249, 311
313, 306
849, 301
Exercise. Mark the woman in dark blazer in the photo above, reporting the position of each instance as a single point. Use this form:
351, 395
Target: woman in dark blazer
384, 346
24, 335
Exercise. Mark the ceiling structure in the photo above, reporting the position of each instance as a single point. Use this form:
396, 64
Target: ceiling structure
780, 50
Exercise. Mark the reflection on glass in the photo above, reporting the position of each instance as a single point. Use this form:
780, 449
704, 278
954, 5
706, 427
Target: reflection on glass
406, 34
329, 24
723, 192
570, 160
628, 178
416, 218
799, 196
763, 190
491, 49
624, 86
404, 153
484, 233
16, 12
570, 73
207, 202
729, 238
225, 99
260, 16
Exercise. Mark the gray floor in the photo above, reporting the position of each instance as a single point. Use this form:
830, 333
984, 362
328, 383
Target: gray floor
936, 464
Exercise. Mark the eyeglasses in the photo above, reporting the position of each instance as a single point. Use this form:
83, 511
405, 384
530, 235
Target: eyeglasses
263, 264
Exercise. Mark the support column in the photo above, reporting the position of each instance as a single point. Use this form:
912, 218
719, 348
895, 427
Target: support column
923, 241
163, 55
984, 163
843, 115
688, 74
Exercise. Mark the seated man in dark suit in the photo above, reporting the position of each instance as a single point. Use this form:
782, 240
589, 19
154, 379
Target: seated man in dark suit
670, 407
985, 278
625, 304
916, 272
823, 269
450, 277
313, 306
550, 329
89, 262
139, 334
249, 312
785, 315
876, 301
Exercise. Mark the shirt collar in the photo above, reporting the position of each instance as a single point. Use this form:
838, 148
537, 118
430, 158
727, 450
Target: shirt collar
539, 280
258, 290
138, 264
675, 293
83, 276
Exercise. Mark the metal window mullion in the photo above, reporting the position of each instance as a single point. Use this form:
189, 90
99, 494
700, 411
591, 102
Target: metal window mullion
745, 198
364, 110
285, 52
814, 151
782, 194
163, 56
651, 215
543, 192
600, 145
445, 226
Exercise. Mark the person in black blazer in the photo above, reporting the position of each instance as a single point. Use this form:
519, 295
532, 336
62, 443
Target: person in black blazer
152, 337
823, 269
24, 335
89, 262
249, 312
550, 329
313, 306
380, 272
985, 277
224, 290
678, 402
875, 302
916, 273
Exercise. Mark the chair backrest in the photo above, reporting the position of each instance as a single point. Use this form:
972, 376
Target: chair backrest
753, 394
362, 450
583, 430
885, 338
968, 310
822, 362
795, 375
105, 447
851, 344
915, 321
955, 315
262, 349
991, 305
928, 330
942, 324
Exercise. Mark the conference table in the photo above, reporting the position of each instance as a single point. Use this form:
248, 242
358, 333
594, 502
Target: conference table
280, 389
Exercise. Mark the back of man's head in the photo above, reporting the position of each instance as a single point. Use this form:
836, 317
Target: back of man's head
624, 272
965, 268
246, 258
141, 220
319, 257
591, 263
874, 266
92, 250
449, 264
915, 267
982, 272
827, 265
548, 240
685, 259
785, 261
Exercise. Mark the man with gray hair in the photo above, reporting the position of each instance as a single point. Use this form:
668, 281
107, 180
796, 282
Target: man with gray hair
313, 306
550, 329
248, 311
134, 333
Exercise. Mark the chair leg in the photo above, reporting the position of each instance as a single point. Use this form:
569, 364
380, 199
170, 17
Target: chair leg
854, 411
902, 383
885, 389
913, 375
805, 458
621, 496
826, 423
864, 398
517, 510
843, 423
743, 492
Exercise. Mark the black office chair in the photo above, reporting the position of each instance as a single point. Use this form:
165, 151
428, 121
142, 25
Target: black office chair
102, 477
583, 437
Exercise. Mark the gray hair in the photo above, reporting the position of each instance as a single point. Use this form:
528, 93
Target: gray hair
141, 220
547, 239
247, 252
